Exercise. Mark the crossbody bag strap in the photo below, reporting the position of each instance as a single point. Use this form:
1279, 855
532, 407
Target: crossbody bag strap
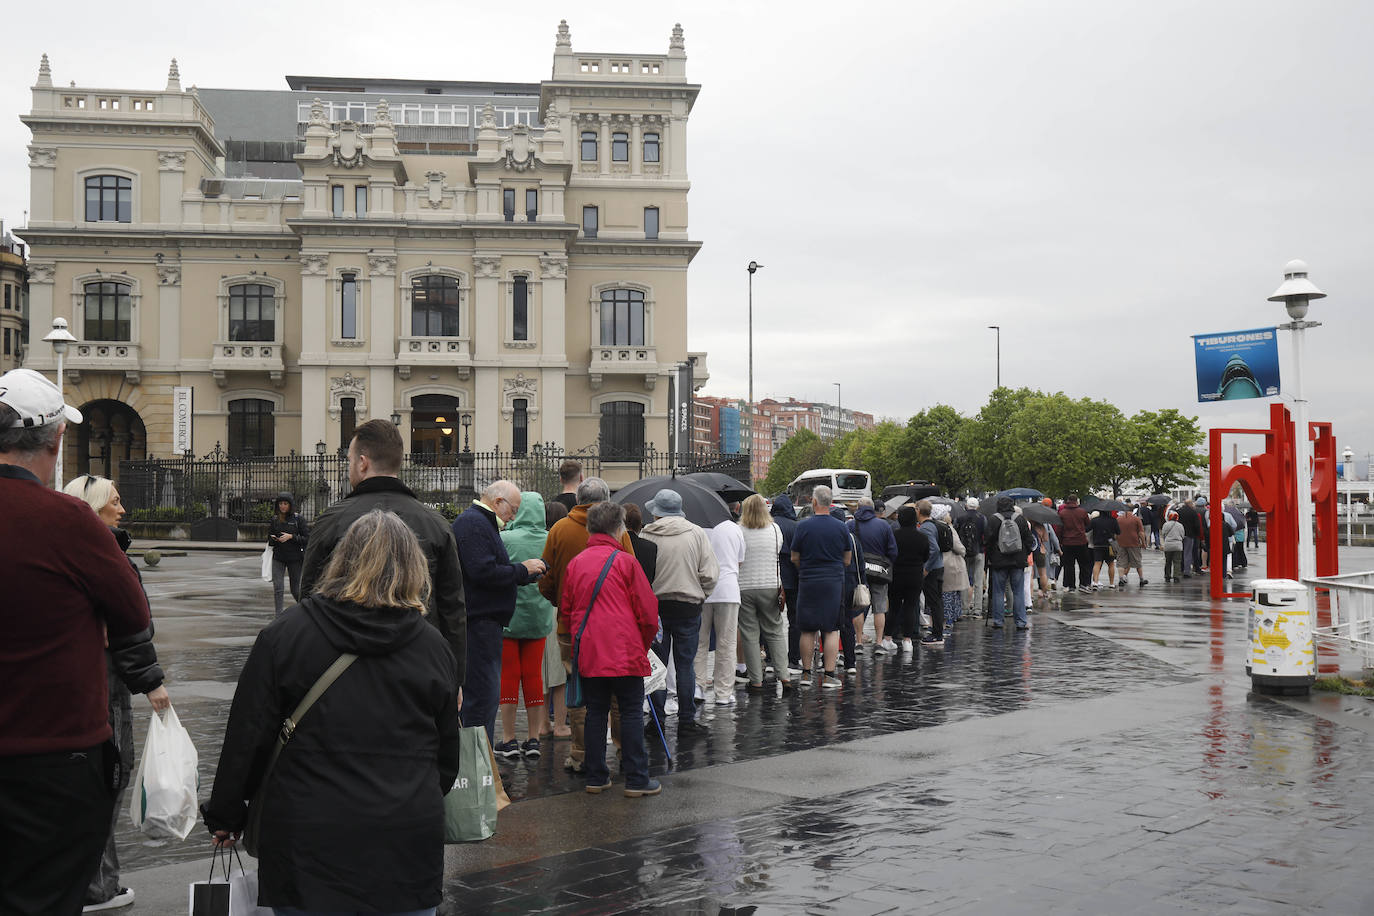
288, 725
605, 570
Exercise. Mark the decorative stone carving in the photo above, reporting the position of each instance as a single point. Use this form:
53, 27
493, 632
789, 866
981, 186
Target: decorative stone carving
347, 386
317, 118
519, 387
553, 267
551, 121
488, 120
42, 272
381, 265
564, 37
315, 265
171, 161
44, 72
173, 77
384, 114
519, 149
487, 268
169, 274
434, 189
676, 43
42, 157
346, 145
351, 343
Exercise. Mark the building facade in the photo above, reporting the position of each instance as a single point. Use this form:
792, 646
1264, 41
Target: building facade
14, 297
493, 265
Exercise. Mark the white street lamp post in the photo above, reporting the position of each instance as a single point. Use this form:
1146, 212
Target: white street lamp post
59, 337
1295, 293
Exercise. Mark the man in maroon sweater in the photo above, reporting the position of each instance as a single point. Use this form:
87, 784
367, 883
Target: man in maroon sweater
67, 586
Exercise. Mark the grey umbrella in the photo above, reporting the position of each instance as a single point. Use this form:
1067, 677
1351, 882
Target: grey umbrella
723, 485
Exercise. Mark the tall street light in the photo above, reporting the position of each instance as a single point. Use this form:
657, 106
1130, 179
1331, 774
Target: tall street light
1295, 293
59, 337
998, 329
752, 268
839, 412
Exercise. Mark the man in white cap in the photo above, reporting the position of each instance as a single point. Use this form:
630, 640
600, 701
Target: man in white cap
68, 588
972, 529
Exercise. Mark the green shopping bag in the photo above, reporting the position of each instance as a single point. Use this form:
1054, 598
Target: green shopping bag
470, 806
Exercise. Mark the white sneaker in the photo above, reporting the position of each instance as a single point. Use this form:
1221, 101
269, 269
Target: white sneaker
793, 672
125, 897
888, 644
670, 706
698, 694
726, 700
907, 647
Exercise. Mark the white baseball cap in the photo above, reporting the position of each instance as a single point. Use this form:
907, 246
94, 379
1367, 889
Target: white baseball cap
35, 399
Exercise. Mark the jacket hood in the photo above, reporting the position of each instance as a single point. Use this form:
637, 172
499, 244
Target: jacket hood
363, 630
286, 496
864, 513
782, 505
1005, 504
531, 514
669, 526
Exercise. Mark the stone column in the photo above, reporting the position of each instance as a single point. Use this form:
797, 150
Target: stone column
636, 145
604, 144
313, 357
553, 272
42, 169
486, 349
39, 355
171, 172
382, 358
169, 316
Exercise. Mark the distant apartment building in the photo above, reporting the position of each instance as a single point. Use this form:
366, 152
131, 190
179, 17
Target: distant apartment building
14, 297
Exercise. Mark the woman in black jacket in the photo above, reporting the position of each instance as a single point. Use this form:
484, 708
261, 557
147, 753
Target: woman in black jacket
908, 575
288, 534
352, 815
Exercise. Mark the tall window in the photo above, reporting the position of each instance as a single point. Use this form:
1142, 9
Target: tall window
622, 318
590, 218
348, 418
651, 222
620, 147
622, 429
7, 295
651, 147
252, 312
588, 146
7, 341
531, 204
434, 308
520, 310
520, 426
108, 310
348, 306
360, 200
338, 194
109, 199
250, 428
508, 204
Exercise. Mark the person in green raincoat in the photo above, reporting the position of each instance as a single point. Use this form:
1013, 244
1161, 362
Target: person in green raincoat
522, 643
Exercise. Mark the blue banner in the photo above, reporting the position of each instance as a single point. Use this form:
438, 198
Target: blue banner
1237, 364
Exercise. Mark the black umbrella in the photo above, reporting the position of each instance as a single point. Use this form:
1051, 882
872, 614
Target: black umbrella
700, 505
723, 485
1160, 499
1033, 512
1097, 504
1021, 493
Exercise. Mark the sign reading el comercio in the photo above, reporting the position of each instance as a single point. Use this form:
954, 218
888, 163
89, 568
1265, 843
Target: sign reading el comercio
183, 408
1237, 364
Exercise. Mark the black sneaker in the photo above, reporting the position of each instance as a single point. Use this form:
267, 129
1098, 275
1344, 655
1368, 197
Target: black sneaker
692, 727
530, 748
508, 749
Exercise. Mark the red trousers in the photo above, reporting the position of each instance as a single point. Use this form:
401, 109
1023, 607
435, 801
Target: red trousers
522, 664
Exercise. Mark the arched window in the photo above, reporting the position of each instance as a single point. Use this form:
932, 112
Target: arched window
252, 312
348, 307
251, 428
622, 318
622, 430
434, 306
520, 426
108, 310
109, 199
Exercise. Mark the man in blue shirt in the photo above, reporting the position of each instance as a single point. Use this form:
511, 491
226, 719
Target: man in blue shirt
933, 585
820, 551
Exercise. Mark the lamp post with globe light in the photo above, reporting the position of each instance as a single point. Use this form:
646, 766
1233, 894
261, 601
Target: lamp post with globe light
59, 337
1296, 292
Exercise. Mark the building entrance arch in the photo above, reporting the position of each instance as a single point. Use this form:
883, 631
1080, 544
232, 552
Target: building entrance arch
112, 432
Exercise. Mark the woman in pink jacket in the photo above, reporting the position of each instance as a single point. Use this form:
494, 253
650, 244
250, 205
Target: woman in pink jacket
613, 617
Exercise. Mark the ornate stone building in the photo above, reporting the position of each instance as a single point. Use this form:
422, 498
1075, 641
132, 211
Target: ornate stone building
505, 263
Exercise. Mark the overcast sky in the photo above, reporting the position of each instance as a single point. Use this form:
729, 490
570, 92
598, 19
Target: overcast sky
1102, 179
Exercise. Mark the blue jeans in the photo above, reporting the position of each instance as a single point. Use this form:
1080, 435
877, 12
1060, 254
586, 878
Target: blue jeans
482, 690
680, 636
634, 756
292, 911
997, 587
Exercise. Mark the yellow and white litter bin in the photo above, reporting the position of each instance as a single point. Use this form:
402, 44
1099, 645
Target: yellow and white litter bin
1283, 652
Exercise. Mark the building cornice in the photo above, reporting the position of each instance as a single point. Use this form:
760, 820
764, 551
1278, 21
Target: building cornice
551, 89
86, 238
44, 124
647, 247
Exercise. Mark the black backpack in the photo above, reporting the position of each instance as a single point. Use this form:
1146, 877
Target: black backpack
968, 533
944, 537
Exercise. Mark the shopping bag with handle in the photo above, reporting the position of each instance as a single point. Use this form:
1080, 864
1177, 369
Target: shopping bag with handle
162, 800
230, 893
470, 806
267, 564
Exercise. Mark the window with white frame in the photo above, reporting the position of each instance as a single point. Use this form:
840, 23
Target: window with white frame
252, 312
435, 306
108, 311
109, 199
622, 318
520, 308
348, 306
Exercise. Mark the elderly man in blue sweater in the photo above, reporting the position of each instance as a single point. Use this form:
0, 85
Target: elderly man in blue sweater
490, 581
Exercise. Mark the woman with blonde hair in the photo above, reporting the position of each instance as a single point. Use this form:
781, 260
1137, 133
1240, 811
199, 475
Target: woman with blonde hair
131, 667
352, 810
759, 582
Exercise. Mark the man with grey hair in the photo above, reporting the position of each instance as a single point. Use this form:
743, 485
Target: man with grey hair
821, 550
567, 538
68, 588
490, 581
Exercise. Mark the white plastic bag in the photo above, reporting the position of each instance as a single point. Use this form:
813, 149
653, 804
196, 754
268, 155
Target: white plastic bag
658, 675
267, 564
162, 798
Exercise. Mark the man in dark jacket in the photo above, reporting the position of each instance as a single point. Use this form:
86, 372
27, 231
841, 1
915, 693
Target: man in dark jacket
490, 581
785, 517
374, 460
1192, 529
1073, 539
879, 550
1005, 566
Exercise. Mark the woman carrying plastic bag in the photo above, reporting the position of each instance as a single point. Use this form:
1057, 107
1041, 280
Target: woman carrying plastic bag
162, 797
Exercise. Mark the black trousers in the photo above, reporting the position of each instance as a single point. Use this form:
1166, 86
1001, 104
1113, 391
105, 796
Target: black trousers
903, 604
793, 631
932, 590
1078, 559
54, 815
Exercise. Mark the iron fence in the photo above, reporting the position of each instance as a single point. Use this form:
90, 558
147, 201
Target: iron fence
243, 490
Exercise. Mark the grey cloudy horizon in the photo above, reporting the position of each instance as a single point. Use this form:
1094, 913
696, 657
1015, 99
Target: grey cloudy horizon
1102, 180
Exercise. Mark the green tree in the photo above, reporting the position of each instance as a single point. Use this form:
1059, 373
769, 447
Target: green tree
1060, 445
1165, 451
934, 444
885, 454
802, 452
846, 451
983, 439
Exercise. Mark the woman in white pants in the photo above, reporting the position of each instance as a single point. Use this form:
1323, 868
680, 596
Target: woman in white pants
721, 611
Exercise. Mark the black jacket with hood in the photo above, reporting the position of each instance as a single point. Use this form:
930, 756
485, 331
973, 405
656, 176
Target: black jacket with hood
785, 517
1006, 507
353, 810
447, 609
292, 551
